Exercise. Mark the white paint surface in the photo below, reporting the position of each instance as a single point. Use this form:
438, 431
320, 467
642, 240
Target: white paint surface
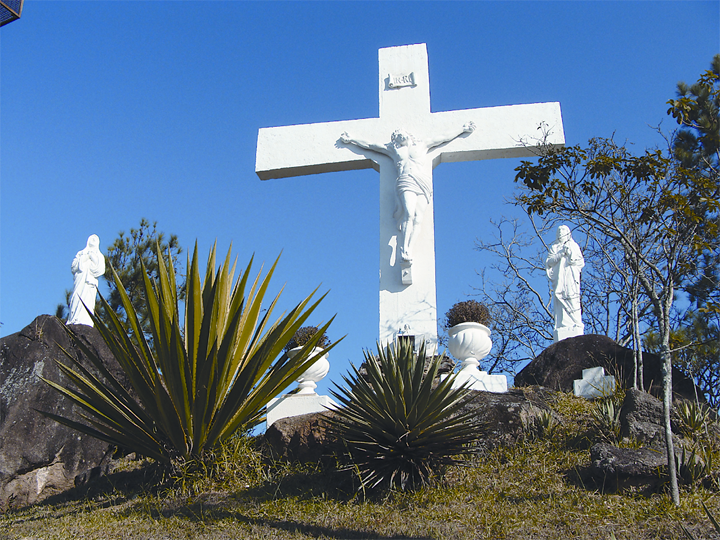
509, 131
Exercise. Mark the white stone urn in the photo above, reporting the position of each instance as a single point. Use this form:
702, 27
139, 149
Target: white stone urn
469, 342
307, 382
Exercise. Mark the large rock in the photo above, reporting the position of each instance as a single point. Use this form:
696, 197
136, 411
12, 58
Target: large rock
617, 469
38, 456
501, 417
302, 438
562, 363
642, 418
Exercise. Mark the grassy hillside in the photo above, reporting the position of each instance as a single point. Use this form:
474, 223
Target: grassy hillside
529, 490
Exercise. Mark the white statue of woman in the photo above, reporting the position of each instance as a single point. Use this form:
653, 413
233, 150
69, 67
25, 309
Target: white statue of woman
563, 265
87, 266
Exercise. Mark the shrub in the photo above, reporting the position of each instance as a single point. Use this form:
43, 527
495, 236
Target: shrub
399, 430
468, 311
304, 335
205, 376
606, 413
693, 418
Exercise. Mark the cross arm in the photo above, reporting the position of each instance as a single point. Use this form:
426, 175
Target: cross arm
501, 132
311, 149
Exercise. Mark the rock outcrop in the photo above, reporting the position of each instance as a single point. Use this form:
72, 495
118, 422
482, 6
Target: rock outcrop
618, 469
502, 417
38, 456
302, 438
562, 363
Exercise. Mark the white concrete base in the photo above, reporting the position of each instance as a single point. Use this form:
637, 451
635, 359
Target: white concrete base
563, 333
295, 405
594, 384
481, 381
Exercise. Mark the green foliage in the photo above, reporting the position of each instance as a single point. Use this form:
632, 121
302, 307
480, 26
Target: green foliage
130, 257
697, 146
606, 413
697, 110
235, 463
694, 418
695, 345
304, 335
467, 311
209, 373
694, 464
399, 430
542, 425
712, 519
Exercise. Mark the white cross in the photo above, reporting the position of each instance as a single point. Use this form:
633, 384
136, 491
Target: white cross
407, 294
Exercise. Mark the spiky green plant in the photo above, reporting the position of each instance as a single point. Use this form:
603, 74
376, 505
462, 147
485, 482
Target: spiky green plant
713, 520
693, 418
398, 428
209, 373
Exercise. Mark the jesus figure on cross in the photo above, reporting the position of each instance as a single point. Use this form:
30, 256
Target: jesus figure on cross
413, 187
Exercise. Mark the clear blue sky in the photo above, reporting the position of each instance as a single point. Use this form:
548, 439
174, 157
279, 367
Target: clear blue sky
113, 111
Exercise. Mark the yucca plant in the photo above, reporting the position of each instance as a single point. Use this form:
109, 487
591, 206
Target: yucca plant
693, 418
398, 428
208, 373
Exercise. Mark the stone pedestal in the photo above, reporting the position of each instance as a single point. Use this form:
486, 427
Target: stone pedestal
295, 405
470, 342
481, 381
568, 332
594, 384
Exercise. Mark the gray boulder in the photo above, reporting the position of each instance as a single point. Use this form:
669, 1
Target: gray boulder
617, 469
501, 418
563, 362
303, 438
38, 456
641, 418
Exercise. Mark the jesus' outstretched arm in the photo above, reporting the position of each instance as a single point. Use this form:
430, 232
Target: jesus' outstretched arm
376, 147
449, 136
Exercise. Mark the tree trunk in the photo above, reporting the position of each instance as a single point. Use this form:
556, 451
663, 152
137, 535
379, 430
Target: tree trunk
667, 408
637, 346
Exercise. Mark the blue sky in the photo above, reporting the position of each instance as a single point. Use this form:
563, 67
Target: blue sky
113, 111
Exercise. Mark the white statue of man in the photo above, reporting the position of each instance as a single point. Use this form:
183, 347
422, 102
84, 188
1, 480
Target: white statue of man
563, 265
414, 181
87, 266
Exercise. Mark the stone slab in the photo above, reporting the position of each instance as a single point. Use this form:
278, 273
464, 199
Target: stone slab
295, 405
481, 381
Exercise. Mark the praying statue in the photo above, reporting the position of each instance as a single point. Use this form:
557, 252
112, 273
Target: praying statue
87, 266
413, 188
563, 265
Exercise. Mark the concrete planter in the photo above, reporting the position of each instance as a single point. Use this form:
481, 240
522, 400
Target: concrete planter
469, 342
307, 382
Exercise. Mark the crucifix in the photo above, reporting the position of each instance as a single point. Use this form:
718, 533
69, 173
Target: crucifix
405, 143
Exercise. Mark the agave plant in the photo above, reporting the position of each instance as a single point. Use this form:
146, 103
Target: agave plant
208, 373
399, 429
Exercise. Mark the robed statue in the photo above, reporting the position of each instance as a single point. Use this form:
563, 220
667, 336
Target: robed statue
563, 265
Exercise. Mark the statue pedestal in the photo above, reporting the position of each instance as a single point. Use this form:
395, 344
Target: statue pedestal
480, 381
295, 405
568, 332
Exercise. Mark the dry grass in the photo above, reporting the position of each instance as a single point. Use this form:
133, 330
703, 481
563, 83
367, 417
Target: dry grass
523, 492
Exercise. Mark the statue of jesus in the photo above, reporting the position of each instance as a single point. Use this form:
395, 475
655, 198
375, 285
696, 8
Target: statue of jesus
413, 188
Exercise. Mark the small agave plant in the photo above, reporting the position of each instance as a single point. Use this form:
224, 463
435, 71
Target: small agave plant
399, 429
212, 370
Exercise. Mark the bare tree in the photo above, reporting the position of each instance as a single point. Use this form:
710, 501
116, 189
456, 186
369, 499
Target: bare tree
516, 295
650, 206
516, 290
